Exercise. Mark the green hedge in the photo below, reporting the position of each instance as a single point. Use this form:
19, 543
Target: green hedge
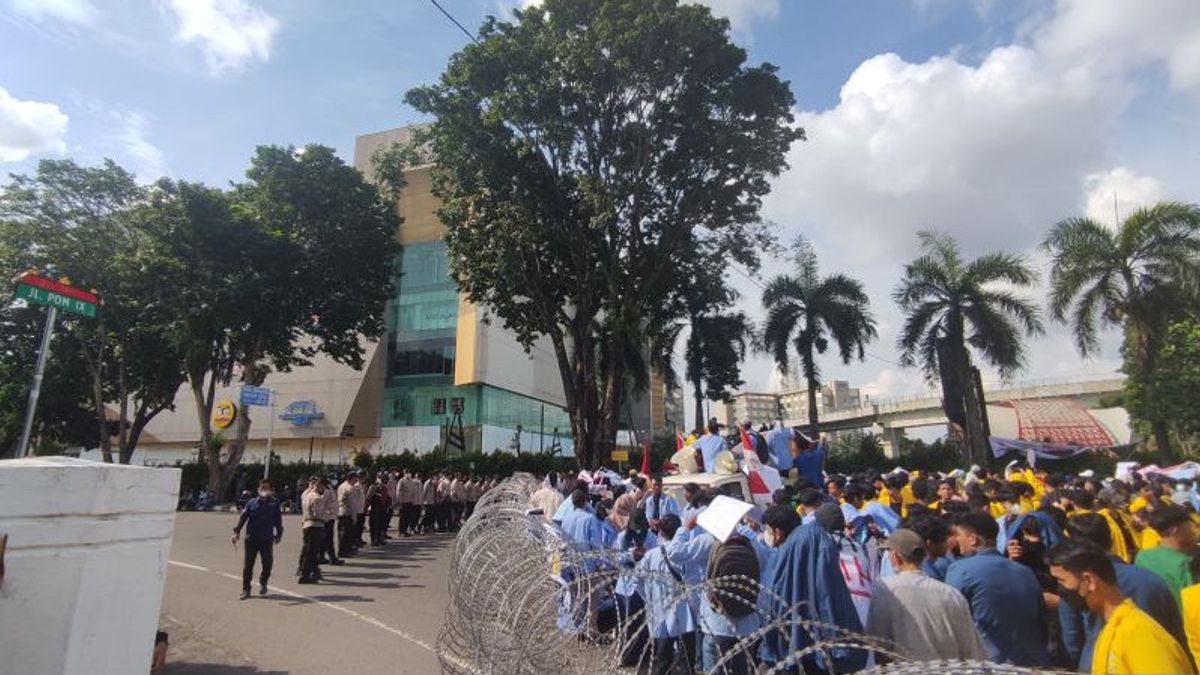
195, 475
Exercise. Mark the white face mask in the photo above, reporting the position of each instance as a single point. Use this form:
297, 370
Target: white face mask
264, 493
769, 537
1014, 509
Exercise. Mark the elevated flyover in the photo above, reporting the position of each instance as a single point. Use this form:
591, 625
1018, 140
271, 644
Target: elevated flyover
889, 418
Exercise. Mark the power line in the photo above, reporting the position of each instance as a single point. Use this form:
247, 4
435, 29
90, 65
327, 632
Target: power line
455, 21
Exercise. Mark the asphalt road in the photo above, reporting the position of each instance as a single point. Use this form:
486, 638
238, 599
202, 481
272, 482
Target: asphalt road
379, 613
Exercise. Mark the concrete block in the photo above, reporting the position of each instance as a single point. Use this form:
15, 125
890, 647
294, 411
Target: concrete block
88, 545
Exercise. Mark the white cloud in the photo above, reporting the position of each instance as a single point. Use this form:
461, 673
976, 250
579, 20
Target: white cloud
894, 383
1128, 190
132, 138
29, 127
1116, 35
80, 12
993, 151
232, 33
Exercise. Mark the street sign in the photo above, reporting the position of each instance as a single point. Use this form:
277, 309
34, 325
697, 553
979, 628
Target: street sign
255, 395
620, 455
55, 295
43, 291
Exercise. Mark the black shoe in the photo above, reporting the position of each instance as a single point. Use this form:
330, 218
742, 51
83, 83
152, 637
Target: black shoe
307, 580
337, 562
323, 561
262, 589
245, 593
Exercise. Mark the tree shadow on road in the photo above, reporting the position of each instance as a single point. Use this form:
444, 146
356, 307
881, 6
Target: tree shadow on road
215, 669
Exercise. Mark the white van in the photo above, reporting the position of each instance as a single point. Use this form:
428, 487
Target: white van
729, 484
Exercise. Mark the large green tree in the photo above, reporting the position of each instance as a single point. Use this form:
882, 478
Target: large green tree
1170, 391
806, 312
585, 155
1138, 276
953, 305
80, 223
294, 262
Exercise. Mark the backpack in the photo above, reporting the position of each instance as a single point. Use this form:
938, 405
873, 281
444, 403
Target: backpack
732, 578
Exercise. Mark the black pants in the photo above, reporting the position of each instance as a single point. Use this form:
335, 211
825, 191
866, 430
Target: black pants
327, 541
409, 515
257, 549
427, 517
378, 525
360, 521
668, 655
633, 629
346, 541
314, 539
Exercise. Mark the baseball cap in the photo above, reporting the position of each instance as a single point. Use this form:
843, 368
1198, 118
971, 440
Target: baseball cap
904, 542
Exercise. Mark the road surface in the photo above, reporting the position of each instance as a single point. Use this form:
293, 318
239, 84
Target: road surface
379, 613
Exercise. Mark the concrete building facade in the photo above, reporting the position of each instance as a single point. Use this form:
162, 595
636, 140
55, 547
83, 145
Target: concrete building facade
790, 405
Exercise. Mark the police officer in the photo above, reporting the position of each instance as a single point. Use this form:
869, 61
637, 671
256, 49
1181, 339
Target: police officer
263, 521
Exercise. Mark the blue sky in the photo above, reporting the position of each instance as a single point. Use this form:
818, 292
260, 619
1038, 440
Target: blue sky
988, 119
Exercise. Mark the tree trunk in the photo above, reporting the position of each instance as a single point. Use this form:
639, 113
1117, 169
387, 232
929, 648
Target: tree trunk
609, 418
698, 392
978, 445
210, 454
96, 368
1162, 441
123, 456
814, 425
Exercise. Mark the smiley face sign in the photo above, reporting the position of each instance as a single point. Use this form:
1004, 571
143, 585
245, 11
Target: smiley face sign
224, 413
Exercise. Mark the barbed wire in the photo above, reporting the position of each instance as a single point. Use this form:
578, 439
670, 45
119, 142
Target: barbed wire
524, 600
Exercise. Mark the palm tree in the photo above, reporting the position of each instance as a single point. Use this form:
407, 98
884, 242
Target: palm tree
713, 352
949, 304
1135, 276
805, 311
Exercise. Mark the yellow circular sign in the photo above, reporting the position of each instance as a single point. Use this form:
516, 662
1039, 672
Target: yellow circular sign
224, 413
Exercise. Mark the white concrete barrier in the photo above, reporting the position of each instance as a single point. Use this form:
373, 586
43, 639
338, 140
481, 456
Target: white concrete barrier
87, 557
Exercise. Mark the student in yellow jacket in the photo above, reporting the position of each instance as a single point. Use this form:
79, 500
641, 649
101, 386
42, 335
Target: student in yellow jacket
1131, 643
1085, 502
1189, 599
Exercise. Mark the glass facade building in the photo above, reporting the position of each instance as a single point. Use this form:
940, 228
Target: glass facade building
419, 389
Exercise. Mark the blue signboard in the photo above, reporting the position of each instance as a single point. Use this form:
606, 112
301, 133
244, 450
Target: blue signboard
255, 395
301, 413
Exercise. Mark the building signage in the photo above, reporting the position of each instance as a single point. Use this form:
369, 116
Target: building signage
301, 413
255, 395
43, 291
224, 413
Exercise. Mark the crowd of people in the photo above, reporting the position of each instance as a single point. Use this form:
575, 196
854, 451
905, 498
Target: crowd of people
1018, 566
335, 516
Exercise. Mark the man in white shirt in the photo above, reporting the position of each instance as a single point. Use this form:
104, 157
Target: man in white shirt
347, 545
429, 503
929, 619
443, 503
